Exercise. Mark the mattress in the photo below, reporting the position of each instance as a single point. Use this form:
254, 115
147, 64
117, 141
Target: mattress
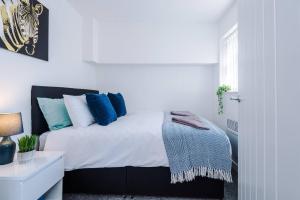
133, 140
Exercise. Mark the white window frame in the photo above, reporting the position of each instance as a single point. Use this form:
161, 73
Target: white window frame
229, 63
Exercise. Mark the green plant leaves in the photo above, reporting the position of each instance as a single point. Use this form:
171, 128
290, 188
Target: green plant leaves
220, 93
27, 143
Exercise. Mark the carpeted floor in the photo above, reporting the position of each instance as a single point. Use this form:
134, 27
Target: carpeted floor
231, 193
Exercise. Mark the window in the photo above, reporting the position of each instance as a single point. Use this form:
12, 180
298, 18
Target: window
229, 59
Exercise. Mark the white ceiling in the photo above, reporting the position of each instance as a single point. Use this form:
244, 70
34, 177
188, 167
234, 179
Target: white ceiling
204, 11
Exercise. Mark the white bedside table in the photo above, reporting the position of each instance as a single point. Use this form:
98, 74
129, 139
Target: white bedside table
31, 180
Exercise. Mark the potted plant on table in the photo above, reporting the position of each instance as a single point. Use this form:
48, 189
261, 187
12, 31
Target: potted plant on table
27, 146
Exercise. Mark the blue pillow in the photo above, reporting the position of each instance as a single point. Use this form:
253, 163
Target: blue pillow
55, 113
101, 108
118, 103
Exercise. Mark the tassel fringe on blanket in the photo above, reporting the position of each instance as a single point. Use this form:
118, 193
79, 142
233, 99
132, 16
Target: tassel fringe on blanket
191, 174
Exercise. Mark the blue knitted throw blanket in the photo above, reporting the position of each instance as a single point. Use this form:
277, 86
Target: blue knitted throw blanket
193, 152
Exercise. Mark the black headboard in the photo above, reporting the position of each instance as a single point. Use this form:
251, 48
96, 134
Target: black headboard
38, 122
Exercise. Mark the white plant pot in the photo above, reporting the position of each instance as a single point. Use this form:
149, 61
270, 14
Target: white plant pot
25, 157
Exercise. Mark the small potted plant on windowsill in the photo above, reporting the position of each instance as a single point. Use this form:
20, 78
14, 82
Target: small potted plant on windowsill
220, 93
27, 146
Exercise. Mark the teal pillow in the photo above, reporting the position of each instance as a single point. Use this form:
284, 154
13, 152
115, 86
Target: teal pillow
55, 113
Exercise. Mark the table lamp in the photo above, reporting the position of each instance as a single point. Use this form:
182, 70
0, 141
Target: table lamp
10, 124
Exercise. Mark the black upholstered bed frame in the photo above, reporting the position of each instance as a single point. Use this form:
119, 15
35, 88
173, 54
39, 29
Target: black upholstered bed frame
152, 181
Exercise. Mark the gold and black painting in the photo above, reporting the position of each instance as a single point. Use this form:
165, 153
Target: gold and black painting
24, 26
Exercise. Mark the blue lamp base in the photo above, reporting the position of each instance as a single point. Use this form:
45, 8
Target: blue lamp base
7, 150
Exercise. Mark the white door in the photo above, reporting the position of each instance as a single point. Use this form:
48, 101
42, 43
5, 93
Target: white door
269, 67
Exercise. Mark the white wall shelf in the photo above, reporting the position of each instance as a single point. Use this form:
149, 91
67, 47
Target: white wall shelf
146, 43
150, 64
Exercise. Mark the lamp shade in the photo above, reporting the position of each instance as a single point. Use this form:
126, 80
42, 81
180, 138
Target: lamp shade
10, 124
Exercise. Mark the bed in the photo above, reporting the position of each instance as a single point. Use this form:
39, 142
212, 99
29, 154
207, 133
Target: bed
151, 177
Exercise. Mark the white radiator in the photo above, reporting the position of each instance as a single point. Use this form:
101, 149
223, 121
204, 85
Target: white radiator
232, 132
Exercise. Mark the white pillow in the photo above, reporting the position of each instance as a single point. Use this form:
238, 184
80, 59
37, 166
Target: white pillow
78, 111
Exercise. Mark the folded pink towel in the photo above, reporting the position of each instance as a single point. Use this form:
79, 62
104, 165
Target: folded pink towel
182, 113
190, 121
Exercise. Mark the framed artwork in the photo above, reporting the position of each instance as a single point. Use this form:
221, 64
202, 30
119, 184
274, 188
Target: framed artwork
24, 27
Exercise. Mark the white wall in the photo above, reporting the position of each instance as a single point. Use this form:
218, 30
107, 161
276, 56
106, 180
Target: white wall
159, 66
157, 43
65, 66
229, 19
161, 87
288, 95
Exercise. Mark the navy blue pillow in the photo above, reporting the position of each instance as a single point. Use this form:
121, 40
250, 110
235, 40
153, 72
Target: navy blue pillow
101, 108
118, 103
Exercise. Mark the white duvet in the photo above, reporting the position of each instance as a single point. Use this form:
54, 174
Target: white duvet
132, 140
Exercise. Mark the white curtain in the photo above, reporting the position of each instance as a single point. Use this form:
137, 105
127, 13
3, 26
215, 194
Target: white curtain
229, 60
